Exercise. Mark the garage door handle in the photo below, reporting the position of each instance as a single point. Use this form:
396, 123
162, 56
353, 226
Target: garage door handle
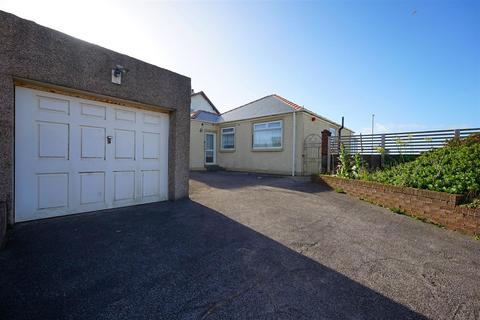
109, 139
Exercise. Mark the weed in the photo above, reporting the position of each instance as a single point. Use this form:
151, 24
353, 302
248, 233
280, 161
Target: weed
414, 217
398, 211
370, 201
339, 190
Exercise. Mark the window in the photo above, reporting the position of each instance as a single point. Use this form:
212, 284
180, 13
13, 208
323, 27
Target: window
228, 138
267, 135
333, 131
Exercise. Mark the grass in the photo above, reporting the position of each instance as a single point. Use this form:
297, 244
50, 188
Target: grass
339, 190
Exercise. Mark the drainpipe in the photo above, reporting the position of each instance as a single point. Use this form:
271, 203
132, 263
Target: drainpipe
340, 130
340, 135
294, 144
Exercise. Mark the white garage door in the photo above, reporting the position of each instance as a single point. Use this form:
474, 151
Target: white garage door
74, 155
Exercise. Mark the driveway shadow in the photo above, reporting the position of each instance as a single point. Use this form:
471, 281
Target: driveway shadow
177, 260
236, 180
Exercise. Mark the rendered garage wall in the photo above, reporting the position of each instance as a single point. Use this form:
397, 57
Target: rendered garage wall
30, 51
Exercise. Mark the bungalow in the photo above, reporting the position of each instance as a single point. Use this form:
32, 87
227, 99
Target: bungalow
268, 135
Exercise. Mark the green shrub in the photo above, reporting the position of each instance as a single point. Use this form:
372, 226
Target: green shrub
350, 167
345, 166
454, 168
474, 204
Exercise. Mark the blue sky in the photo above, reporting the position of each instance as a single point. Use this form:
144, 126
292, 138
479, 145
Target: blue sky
415, 64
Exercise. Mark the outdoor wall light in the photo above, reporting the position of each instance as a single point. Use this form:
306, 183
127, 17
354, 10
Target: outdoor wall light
117, 73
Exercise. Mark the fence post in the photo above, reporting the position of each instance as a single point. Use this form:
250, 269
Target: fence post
361, 144
328, 153
457, 134
382, 154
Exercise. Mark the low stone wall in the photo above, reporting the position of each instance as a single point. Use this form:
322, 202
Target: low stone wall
437, 207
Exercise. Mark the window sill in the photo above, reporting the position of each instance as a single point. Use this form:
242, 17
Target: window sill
227, 150
267, 149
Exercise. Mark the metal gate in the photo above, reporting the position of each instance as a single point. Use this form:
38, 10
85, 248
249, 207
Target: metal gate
312, 154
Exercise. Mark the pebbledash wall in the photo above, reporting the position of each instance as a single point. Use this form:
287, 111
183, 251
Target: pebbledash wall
438, 207
33, 53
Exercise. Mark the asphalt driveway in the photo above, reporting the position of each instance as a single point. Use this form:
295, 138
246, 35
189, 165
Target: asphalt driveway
243, 247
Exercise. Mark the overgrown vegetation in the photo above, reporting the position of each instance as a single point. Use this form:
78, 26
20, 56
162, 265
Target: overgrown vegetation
474, 204
397, 211
455, 168
339, 190
345, 163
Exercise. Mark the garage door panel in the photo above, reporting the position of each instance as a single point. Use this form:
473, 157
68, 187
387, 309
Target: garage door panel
93, 111
53, 139
150, 119
124, 144
93, 140
64, 163
124, 185
151, 145
52, 190
50, 104
92, 187
150, 183
122, 115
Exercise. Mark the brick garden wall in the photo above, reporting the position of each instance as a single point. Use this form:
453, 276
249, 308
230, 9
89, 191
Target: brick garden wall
438, 207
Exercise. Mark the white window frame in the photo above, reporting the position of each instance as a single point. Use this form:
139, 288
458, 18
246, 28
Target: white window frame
221, 139
267, 123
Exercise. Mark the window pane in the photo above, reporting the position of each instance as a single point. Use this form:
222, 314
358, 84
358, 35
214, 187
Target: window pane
271, 138
260, 126
228, 141
208, 142
274, 125
227, 130
209, 156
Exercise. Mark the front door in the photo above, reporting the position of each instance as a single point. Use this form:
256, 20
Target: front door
210, 139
